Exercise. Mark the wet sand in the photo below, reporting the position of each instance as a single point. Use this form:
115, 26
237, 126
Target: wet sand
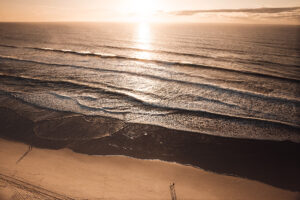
82, 176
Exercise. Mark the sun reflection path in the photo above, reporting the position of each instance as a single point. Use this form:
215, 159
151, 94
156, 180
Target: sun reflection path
143, 40
145, 86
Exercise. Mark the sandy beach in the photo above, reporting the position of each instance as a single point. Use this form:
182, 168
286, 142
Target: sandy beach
81, 176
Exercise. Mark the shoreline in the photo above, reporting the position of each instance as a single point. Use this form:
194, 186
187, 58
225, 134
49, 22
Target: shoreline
271, 162
74, 175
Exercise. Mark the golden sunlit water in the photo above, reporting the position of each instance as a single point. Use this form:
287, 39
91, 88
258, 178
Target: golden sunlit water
143, 40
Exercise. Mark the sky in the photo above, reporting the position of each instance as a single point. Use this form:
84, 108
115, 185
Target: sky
201, 11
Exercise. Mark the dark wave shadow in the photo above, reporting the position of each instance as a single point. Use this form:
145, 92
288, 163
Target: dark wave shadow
270, 162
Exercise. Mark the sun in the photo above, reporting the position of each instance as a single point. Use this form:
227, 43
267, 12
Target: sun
142, 10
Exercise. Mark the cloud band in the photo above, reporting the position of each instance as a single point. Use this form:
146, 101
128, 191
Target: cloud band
244, 10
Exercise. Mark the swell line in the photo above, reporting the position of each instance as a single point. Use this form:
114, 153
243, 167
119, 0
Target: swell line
9, 46
155, 51
163, 62
112, 87
134, 98
215, 87
169, 63
259, 62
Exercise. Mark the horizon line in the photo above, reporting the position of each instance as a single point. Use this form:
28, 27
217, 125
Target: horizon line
155, 22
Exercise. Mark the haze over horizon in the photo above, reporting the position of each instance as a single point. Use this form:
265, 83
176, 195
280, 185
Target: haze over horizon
215, 11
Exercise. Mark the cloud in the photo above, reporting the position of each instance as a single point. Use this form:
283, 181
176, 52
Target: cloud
244, 10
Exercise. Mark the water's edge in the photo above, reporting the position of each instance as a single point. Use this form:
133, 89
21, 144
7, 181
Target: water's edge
272, 162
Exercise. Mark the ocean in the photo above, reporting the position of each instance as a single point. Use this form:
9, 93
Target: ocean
226, 80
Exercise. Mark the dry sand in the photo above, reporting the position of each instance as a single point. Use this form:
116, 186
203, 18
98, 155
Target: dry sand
82, 176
